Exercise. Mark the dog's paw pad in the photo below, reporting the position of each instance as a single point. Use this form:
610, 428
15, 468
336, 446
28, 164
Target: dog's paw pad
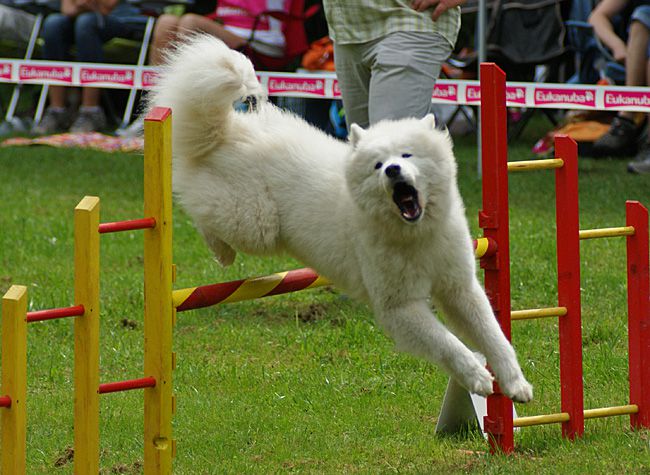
519, 391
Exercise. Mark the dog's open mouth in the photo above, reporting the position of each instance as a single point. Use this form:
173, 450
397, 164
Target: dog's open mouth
406, 199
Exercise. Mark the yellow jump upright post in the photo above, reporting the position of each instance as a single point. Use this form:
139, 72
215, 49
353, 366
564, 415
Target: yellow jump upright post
158, 313
14, 381
86, 336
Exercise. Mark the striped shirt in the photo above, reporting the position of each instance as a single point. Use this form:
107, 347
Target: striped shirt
359, 21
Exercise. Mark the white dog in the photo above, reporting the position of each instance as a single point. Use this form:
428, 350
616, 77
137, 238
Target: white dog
380, 216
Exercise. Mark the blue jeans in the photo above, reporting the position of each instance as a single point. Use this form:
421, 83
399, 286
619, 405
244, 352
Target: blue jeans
88, 31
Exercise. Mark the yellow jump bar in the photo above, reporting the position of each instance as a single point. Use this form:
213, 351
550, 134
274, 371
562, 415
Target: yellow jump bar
539, 420
564, 416
611, 411
538, 313
525, 165
606, 232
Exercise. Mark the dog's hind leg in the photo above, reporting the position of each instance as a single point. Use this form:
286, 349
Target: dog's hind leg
224, 254
468, 313
416, 330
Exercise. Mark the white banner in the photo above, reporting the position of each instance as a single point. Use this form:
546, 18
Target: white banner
325, 86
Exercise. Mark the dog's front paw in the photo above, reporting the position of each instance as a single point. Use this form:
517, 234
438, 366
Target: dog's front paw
479, 381
519, 390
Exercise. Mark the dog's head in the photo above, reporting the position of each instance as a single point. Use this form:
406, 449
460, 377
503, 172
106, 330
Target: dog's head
404, 167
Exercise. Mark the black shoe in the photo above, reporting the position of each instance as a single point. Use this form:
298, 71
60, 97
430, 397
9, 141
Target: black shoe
641, 165
621, 140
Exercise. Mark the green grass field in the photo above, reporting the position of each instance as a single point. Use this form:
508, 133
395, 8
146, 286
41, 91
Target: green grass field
306, 382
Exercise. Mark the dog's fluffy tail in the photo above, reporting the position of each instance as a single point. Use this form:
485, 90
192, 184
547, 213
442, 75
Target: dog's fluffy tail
200, 81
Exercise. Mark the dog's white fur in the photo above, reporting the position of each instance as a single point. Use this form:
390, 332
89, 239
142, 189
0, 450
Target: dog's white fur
266, 182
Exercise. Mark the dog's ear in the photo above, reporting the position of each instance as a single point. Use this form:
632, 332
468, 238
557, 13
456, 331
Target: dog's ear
356, 132
430, 121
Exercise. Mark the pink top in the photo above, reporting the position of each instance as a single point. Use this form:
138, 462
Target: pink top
238, 17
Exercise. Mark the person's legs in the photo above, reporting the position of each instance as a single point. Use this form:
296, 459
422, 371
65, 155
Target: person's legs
354, 81
164, 33
57, 33
642, 163
192, 22
404, 72
623, 135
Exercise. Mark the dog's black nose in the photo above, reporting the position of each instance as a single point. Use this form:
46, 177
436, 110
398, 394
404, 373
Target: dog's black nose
393, 171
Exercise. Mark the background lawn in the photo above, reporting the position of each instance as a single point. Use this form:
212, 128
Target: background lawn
306, 382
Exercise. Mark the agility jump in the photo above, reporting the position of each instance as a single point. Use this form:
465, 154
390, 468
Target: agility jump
162, 302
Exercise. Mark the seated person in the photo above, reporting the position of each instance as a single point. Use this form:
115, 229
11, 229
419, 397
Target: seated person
233, 21
86, 24
634, 52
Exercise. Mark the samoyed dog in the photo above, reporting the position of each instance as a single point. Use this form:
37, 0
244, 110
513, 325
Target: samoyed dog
380, 215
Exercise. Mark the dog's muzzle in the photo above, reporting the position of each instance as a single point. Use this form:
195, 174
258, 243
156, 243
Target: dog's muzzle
405, 195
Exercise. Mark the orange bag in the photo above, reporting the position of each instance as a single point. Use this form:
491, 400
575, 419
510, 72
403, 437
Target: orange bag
319, 56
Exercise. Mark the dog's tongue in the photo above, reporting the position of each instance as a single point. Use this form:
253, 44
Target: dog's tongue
409, 208
406, 199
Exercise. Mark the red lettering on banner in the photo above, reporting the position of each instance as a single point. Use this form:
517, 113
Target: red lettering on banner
5, 70
626, 98
61, 74
149, 78
446, 92
549, 95
516, 95
473, 94
336, 89
315, 87
105, 75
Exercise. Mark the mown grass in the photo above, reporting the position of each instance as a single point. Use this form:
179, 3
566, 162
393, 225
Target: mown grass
306, 382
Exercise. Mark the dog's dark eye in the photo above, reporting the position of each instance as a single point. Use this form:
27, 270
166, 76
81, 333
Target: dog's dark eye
378, 165
406, 155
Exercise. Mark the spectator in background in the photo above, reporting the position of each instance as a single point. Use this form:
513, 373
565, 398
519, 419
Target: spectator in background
15, 25
623, 136
388, 54
86, 24
233, 22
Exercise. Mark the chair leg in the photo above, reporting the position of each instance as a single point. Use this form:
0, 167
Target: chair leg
29, 52
40, 106
142, 56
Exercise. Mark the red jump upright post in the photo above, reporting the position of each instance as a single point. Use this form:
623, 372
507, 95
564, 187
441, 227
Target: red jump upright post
638, 294
493, 219
568, 286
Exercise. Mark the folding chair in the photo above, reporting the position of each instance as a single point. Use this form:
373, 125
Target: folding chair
39, 8
523, 35
593, 61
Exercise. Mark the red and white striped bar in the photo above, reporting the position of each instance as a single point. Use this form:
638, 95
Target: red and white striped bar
127, 385
128, 225
5, 401
54, 313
